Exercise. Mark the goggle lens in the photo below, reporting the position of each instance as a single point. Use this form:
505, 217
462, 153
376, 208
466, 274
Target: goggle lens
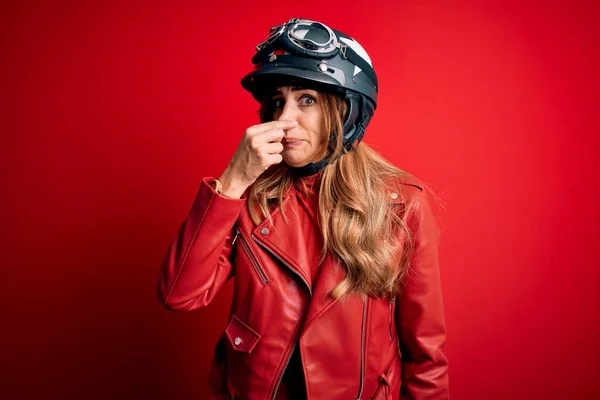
311, 36
306, 34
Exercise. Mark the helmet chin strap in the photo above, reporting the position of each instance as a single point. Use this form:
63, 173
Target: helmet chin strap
309, 169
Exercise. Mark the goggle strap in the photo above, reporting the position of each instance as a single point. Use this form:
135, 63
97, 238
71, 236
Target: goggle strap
365, 67
343, 49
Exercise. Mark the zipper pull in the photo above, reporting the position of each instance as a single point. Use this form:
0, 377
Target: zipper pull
237, 233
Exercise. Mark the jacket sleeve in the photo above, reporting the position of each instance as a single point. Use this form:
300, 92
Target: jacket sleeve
420, 312
197, 263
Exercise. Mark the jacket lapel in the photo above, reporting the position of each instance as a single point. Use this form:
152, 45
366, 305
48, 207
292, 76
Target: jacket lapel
329, 276
285, 242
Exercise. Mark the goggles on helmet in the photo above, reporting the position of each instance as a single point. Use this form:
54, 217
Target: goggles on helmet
310, 36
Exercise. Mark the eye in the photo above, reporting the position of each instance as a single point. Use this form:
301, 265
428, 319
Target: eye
277, 103
307, 100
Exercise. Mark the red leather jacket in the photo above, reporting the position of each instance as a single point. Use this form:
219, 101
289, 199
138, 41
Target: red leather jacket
359, 348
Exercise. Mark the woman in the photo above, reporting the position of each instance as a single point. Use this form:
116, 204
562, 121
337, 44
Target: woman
333, 249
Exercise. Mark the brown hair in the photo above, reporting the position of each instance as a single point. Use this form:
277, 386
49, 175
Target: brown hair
361, 228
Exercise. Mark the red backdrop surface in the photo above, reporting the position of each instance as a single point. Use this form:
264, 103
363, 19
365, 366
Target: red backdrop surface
111, 113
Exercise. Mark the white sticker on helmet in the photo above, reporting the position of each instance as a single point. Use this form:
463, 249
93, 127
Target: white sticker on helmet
358, 49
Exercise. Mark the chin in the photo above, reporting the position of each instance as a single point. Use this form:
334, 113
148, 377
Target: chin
296, 165
295, 162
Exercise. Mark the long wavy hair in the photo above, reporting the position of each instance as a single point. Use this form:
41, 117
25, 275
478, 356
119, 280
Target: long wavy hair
361, 227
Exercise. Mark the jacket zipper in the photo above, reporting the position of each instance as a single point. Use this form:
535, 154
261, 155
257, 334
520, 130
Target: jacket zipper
283, 262
246, 247
362, 348
289, 356
286, 364
392, 301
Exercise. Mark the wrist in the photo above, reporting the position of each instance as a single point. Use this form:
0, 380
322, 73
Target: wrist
228, 187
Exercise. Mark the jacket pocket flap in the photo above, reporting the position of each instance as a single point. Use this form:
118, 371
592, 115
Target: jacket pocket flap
241, 336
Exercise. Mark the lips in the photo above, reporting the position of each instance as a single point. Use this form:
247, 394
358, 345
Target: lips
291, 140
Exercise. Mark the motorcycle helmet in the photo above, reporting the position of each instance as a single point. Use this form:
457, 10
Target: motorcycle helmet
313, 54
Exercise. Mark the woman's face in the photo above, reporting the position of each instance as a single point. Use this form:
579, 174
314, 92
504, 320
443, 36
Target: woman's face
302, 144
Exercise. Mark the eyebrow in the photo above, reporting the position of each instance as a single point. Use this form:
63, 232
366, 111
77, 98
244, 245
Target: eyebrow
294, 89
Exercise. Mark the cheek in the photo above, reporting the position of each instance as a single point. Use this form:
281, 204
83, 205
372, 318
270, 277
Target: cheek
317, 136
317, 127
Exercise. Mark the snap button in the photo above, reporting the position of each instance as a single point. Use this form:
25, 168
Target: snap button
264, 231
237, 341
394, 195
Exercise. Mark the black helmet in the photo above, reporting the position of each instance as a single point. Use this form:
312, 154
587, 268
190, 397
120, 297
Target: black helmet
320, 57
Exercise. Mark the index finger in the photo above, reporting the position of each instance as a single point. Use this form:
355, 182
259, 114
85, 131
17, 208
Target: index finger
283, 124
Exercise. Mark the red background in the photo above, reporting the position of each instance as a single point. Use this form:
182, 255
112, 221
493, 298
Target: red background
112, 113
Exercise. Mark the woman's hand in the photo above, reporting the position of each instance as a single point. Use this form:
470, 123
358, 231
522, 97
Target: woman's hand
259, 149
